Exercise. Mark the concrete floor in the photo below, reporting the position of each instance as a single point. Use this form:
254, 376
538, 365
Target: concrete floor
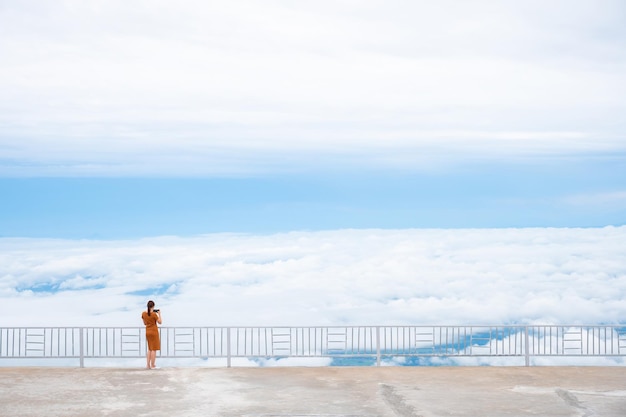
322, 392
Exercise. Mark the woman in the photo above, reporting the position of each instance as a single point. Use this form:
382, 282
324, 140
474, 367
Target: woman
150, 319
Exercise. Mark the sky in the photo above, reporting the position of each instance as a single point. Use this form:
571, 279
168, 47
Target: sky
146, 118
323, 162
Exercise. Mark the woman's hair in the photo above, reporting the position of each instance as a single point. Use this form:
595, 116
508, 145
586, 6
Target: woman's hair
150, 306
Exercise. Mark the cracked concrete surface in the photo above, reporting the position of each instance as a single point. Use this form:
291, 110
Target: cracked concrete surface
321, 392
397, 402
571, 400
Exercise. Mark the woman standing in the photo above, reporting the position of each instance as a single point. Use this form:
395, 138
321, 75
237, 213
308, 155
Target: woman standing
150, 319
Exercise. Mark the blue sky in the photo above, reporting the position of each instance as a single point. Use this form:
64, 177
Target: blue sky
125, 120
580, 194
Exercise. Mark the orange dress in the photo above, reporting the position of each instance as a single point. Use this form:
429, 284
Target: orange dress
152, 330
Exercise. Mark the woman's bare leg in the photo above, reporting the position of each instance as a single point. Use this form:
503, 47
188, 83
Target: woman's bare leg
147, 359
153, 358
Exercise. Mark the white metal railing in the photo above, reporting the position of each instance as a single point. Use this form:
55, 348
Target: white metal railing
372, 342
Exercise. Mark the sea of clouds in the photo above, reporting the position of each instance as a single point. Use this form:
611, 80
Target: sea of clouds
356, 277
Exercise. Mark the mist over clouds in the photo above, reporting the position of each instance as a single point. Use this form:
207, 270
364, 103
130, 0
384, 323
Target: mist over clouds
362, 277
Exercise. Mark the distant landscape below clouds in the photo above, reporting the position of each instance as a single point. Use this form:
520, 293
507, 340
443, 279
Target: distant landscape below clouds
337, 277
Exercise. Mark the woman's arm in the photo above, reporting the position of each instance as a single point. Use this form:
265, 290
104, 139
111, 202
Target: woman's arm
159, 317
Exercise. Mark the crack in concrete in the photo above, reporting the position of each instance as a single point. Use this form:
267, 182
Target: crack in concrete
396, 402
571, 400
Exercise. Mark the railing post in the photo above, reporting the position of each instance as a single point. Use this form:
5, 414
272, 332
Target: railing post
228, 347
526, 346
82, 347
377, 345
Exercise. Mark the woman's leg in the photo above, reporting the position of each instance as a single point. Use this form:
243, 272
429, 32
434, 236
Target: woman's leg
148, 358
153, 358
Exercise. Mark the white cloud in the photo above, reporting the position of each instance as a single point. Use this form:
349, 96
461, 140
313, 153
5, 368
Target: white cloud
361, 277
147, 87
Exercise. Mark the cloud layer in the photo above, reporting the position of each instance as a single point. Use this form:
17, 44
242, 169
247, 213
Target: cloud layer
362, 277
197, 88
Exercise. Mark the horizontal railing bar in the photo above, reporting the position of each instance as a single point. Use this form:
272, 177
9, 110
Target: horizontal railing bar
286, 327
